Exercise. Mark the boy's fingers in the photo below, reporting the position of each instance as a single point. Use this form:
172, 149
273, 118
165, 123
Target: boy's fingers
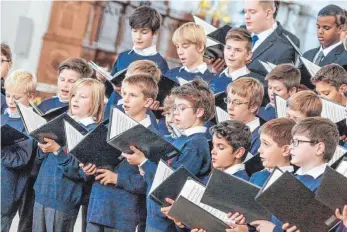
170, 201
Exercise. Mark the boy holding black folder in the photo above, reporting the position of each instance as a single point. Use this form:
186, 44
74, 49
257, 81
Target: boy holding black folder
70, 71
16, 159
119, 192
193, 106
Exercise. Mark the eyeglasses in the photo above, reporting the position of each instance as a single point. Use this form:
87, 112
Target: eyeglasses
234, 102
2, 60
180, 108
296, 142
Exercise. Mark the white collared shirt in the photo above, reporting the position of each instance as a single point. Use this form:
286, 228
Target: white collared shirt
194, 130
235, 168
236, 74
315, 172
263, 35
150, 51
85, 121
289, 168
327, 50
146, 122
61, 100
254, 124
12, 115
200, 69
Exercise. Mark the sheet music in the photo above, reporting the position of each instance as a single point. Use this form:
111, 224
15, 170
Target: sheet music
102, 72
248, 157
177, 133
208, 28
31, 119
162, 173
35, 108
266, 66
281, 107
73, 136
294, 46
182, 81
342, 168
274, 176
120, 122
333, 111
193, 191
339, 152
222, 115
311, 67
271, 65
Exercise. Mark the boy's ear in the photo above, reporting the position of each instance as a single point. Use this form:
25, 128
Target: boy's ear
155, 33
320, 149
249, 57
149, 102
342, 89
10, 65
200, 48
293, 91
254, 109
286, 151
31, 96
240, 152
200, 112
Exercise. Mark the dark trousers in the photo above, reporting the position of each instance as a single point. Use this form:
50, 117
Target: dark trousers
6, 221
26, 208
51, 220
92, 227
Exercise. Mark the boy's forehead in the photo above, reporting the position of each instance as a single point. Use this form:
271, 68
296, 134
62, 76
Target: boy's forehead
236, 43
179, 100
15, 89
236, 96
69, 74
131, 87
323, 86
276, 83
301, 136
328, 20
219, 139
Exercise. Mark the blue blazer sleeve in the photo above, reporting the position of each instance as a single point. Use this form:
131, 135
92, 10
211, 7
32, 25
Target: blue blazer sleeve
131, 181
17, 155
70, 166
149, 168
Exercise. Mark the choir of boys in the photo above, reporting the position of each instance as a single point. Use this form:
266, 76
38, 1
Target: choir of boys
47, 185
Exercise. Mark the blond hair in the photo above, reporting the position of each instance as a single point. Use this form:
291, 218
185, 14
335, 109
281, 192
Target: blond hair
23, 80
97, 95
306, 102
145, 82
248, 87
146, 67
190, 33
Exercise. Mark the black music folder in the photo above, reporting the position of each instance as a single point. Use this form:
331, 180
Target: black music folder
92, 147
333, 189
230, 193
171, 186
191, 212
291, 201
165, 86
125, 132
116, 79
219, 100
217, 51
50, 114
10, 135
39, 128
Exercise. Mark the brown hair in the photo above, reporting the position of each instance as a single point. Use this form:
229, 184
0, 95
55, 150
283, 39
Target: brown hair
145, 17
287, 74
240, 34
97, 95
248, 87
146, 67
145, 82
279, 130
306, 102
333, 74
319, 129
6, 51
78, 65
190, 33
199, 95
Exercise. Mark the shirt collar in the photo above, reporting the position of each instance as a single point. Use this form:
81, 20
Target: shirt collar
289, 168
61, 100
315, 172
120, 102
200, 69
10, 114
150, 51
146, 122
254, 124
268, 106
236, 74
328, 49
195, 130
263, 35
235, 168
85, 121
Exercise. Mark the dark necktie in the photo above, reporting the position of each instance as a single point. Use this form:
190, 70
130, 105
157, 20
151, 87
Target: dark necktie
319, 58
255, 38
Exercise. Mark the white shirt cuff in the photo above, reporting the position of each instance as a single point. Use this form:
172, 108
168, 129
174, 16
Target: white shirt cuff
142, 163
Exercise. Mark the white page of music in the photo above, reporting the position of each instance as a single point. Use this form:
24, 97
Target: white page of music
342, 168
339, 152
162, 173
73, 136
222, 115
31, 119
193, 191
120, 122
276, 174
333, 111
281, 106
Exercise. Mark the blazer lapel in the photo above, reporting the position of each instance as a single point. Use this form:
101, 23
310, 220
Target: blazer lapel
332, 55
265, 45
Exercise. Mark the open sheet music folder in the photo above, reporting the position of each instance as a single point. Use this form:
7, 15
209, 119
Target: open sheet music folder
190, 211
230, 193
92, 147
39, 128
125, 132
116, 79
50, 114
10, 135
297, 206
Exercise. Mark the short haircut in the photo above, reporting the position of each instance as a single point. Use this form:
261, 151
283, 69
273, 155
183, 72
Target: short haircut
6, 51
269, 4
97, 95
279, 130
190, 33
306, 102
277, 6
319, 129
23, 80
334, 10
146, 67
333, 74
78, 65
145, 17
145, 82
288, 74
240, 34
199, 95
236, 133
248, 87
345, 26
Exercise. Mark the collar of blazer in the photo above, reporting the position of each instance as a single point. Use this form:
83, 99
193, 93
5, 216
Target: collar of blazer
332, 55
268, 42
